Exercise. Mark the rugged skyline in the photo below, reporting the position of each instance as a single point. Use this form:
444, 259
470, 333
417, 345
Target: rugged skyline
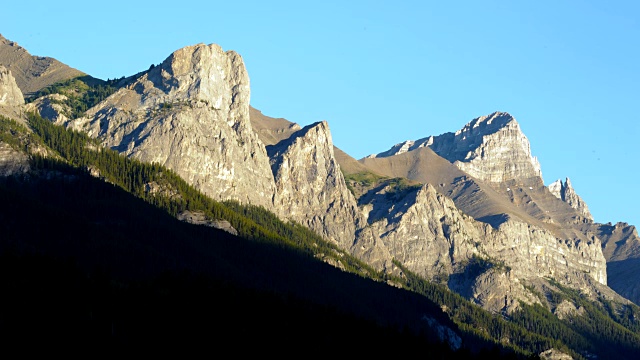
467, 210
399, 71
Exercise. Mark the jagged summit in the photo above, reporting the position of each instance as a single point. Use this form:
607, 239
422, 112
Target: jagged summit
565, 192
491, 148
190, 114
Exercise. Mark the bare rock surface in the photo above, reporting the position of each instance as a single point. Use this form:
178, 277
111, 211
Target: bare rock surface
311, 190
491, 148
11, 99
565, 192
198, 218
190, 114
554, 354
50, 107
424, 230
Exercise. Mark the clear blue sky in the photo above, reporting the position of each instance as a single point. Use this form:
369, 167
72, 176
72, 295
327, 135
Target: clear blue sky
381, 72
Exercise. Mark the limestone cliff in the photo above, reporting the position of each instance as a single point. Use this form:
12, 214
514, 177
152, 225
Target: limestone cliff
190, 114
311, 190
10, 94
11, 99
565, 192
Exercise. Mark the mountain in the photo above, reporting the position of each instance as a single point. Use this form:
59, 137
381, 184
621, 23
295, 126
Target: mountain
462, 219
33, 73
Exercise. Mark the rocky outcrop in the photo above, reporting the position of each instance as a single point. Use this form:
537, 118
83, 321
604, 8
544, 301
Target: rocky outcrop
51, 107
565, 192
11, 99
491, 148
554, 354
33, 73
311, 190
190, 114
424, 230
198, 218
12, 161
308, 179
621, 248
10, 94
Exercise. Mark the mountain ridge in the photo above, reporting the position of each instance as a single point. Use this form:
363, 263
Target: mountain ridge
531, 242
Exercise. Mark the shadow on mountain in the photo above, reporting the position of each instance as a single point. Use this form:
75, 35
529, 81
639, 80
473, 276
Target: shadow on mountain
86, 266
622, 277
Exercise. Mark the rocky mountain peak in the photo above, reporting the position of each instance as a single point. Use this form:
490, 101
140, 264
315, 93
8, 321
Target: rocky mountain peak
565, 192
491, 148
190, 114
310, 187
197, 72
10, 94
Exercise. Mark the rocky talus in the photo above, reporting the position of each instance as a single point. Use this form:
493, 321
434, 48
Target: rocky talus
190, 114
565, 192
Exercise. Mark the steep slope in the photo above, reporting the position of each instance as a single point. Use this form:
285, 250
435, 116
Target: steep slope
311, 190
271, 130
426, 231
191, 114
487, 170
33, 73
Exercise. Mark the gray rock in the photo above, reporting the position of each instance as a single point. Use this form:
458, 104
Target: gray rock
190, 114
491, 148
50, 107
198, 218
565, 192
554, 354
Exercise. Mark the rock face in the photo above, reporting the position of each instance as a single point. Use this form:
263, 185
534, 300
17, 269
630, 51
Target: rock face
50, 107
10, 94
424, 230
308, 178
565, 192
190, 114
554, 354
491, 148
33, 73
311, 190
